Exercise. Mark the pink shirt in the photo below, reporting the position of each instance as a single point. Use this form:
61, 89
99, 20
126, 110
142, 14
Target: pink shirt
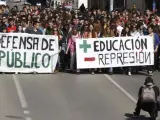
72, 43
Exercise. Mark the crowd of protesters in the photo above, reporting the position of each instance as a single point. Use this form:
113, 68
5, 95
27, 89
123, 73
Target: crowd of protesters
82, 23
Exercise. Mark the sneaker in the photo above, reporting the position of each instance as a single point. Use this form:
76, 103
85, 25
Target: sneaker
110, 73
129, 73
135, 114
124, 72
153, 117
100, 71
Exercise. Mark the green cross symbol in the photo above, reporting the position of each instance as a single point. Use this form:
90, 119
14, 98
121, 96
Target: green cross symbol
85, 46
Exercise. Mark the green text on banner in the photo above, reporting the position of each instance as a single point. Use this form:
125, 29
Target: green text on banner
20, 52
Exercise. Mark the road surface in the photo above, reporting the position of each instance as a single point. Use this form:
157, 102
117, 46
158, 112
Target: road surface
66, 96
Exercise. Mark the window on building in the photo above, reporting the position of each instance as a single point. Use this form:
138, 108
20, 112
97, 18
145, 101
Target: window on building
149, 4
118, 4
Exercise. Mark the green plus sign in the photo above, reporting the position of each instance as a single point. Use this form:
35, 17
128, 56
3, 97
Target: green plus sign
85, 46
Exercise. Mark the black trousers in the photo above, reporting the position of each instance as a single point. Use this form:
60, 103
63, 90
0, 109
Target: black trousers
158, 59
150, 107
154, 67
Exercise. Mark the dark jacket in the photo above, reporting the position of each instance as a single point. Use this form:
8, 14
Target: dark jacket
31, 31
49, 31
148, 82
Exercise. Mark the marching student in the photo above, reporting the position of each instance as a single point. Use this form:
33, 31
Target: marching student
156, 45
92, 34
126, 33
72, 48
108, 32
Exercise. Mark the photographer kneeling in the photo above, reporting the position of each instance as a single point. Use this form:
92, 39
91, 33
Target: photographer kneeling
148, 94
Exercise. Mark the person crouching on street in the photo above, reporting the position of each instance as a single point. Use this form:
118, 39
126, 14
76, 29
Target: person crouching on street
147, 101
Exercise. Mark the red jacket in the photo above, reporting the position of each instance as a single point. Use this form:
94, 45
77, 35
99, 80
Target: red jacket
11, 29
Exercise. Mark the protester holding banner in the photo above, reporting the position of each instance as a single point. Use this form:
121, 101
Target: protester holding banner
56, 33
3, 28
63, 56
85, 31
92, 34
135, 33
98, 30
35, 29
49, 29
126, 33
108, 32
90, 23
11, 28
156, 43
72, 47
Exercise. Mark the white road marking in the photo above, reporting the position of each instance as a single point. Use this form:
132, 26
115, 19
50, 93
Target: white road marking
123, 91
28, 118
21, 96
26, 112
20, 92
120, 88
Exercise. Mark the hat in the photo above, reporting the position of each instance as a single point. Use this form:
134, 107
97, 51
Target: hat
148, 80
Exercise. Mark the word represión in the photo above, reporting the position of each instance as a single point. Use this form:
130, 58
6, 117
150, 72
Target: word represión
125, 58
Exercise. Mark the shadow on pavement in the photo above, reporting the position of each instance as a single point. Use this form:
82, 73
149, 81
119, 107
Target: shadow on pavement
14, 117
131, 117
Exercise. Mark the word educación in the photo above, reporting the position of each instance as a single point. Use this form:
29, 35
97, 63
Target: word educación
122, 51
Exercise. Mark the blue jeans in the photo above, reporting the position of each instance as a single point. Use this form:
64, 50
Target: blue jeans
110, 70
72, 61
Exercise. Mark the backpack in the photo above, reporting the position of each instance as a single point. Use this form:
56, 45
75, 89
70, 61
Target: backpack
148, 94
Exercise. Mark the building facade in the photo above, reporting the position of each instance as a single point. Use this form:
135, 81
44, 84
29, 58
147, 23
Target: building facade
128, 4
109, 4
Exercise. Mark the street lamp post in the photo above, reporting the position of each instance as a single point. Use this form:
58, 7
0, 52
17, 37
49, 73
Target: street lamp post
154, 5
124, 3
111, 5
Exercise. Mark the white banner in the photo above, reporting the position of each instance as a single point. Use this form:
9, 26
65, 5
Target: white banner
114, 52
25, 53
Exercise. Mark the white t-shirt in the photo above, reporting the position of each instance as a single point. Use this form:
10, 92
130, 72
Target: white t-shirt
119, 29
135, 34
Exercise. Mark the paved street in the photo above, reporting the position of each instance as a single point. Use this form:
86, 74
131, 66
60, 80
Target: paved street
69, 97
